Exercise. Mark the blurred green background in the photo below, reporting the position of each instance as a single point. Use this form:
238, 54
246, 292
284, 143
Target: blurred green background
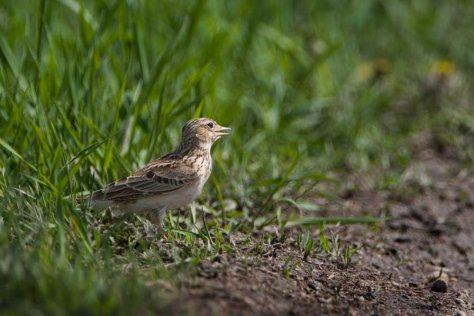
91, 90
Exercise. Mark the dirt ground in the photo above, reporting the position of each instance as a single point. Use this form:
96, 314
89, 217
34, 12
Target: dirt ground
419, 262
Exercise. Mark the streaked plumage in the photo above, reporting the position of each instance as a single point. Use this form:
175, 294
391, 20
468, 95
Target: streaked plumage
172, 181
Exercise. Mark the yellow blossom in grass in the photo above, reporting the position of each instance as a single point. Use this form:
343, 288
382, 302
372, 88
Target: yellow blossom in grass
443, 68
373, 69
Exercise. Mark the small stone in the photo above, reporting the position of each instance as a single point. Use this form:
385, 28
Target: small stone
459, 313
312, 286
469, 203
459, 301
439, 286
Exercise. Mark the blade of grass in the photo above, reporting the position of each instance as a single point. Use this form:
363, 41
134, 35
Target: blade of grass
333, 220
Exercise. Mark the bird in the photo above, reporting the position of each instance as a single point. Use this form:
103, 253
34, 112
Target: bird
172, 181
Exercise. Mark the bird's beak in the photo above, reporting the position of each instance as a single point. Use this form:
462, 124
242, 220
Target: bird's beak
222, 131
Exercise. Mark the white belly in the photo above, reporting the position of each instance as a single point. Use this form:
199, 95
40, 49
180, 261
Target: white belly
175, 199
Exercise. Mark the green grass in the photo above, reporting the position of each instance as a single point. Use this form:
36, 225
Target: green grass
90, 91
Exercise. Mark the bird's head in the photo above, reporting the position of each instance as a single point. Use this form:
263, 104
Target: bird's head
203, 130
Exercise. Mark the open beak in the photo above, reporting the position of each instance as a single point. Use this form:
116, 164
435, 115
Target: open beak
222, 131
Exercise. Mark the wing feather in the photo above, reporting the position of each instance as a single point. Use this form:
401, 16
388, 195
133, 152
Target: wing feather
157, 178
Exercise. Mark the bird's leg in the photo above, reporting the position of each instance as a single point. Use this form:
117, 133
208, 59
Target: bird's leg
157, 217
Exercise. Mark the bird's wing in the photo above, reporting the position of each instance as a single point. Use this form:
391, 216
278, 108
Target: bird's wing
156, 178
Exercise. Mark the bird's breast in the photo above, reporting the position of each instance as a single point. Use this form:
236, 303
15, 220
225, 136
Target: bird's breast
202, 163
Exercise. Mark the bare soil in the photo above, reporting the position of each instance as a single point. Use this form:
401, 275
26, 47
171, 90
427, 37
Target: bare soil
428, 237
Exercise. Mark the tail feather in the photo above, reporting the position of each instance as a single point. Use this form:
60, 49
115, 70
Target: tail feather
95, 200
98, 200
82, 199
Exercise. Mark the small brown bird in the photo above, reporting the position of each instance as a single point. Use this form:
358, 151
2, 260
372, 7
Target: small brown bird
174, 180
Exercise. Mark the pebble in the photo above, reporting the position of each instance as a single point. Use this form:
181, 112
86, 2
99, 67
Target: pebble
312, 286
439, 286
459, 302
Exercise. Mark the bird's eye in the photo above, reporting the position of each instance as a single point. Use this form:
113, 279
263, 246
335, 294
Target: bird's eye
210, 124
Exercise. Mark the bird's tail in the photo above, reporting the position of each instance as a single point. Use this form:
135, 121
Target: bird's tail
94, 200
83, 199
